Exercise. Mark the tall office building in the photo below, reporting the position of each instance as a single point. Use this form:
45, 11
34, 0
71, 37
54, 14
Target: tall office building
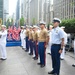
34, 14
28, 12
25, 10
41, 10
36, 10
47, 13
4, 10
1, 9
18, 10
64, 9
51, 13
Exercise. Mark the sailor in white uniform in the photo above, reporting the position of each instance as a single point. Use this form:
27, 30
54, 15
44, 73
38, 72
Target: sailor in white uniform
3, 36
74, 52
23, 36
65, 42
49, 44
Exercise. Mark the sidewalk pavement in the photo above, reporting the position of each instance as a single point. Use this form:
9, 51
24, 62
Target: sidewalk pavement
20, 63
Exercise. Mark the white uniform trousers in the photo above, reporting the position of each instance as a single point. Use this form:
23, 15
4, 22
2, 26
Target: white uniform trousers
49, 47
63, 53
22, 42
3, 50
74, 49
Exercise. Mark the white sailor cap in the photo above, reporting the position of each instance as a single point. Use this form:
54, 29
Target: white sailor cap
50, 26
4, 26
42, 22
30, 27
56, 20
35, 26
62, 27
27, 25
22, 26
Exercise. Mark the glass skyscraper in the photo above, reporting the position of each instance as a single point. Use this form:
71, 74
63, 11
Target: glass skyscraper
4, 9
1, 9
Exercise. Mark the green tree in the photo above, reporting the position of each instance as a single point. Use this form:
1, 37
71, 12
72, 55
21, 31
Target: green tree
33, 21
7, 23
22, 21
69, 25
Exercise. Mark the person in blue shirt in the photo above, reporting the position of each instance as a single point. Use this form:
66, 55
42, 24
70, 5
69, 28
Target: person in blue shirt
57, 46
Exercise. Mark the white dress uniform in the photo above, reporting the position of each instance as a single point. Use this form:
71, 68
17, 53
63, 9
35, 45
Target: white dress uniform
23, 36
3, 37
65, 42
74, 52
74, 47
50, 43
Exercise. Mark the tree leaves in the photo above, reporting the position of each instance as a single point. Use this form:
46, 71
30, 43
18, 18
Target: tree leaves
69, 25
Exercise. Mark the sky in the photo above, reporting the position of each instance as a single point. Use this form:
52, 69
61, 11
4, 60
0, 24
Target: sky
12, 6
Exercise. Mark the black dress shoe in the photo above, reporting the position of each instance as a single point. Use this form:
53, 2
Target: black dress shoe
38, 63
52, 72
61, 59
42, 66
73, 65
35, 58
26, 50
49, 53
30, 53
23, 48
55, 74
2, 59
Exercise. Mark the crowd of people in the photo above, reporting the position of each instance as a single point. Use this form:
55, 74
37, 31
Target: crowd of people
36, 40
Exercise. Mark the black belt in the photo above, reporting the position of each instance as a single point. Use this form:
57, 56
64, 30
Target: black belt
56, 44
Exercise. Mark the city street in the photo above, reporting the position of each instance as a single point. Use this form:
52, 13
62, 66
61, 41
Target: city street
20, 63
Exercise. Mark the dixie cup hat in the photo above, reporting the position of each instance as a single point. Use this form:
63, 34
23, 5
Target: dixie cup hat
42, 22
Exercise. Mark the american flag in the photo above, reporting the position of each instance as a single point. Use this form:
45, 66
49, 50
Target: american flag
14, 33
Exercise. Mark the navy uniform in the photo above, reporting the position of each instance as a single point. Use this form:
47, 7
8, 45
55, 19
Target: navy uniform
42, 45
35, 42
31, 41
49, 43
23, 36
3, 36
27, 37
74, 51
56, 48
65, 42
